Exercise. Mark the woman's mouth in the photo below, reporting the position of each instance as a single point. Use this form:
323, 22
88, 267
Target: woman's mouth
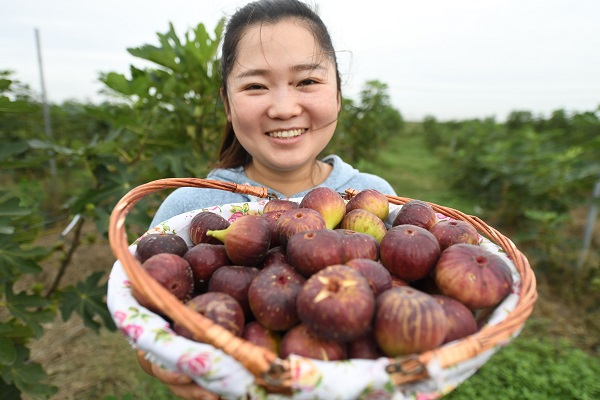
287, 134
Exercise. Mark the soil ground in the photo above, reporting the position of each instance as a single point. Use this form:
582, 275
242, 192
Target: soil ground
86, 365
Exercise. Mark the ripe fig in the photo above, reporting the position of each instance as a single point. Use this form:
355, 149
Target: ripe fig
298, 220
203, 222
358, 245
311, 251
449, 232
235, 281
371, 200
300, 341
220, 308
409, 252
416, 212
279, 205
378, 277
327, 202
156, 243
272, 217
473, 275
408, 321
261, 336
172, 272
246, 240
272, 296
364, 347
275, 255
364, 221
336, 303
460, 320
205, 259
397, 282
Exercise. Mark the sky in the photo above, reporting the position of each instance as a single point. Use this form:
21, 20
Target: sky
452, 60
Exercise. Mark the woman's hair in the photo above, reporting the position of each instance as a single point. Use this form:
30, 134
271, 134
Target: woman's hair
232, 153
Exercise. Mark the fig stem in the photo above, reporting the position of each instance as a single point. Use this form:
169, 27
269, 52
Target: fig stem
218, 234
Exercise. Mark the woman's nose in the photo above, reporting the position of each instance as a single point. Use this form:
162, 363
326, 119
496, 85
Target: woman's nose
285, 104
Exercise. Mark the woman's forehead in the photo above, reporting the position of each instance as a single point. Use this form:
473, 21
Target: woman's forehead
285, 41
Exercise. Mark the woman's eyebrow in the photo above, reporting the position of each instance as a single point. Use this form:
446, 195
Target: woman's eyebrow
264, 72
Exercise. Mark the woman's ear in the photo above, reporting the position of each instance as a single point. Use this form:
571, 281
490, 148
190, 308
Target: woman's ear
339, 101
225, 104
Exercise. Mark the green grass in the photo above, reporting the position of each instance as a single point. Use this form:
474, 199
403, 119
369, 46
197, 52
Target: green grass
414, 172
534, 368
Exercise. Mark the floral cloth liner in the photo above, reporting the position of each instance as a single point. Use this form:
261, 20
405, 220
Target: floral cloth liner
312, 379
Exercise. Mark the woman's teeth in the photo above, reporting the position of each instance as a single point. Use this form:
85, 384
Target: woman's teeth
286, 134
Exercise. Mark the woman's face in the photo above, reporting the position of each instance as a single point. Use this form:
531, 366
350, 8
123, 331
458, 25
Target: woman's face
283, 100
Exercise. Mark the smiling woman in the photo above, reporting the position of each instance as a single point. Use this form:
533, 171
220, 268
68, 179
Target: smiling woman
281, 91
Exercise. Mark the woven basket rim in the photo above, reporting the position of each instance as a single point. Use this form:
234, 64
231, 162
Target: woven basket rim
269, 370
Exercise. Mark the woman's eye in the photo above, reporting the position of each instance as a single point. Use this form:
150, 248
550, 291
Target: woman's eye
307, 82
254, 87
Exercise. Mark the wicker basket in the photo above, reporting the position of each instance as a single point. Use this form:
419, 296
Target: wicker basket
273, 374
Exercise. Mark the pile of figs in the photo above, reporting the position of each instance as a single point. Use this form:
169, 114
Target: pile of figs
327, 278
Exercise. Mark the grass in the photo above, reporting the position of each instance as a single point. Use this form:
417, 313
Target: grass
408, 165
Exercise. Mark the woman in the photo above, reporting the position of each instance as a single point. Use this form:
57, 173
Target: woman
282, 97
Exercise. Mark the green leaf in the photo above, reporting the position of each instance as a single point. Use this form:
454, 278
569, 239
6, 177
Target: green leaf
86, 298
8, 353
13, 149
12, 208
117, 82
31, 309
27, 376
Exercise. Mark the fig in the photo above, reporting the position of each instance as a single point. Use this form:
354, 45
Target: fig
364, 347
336, 304
416, 212
311, 251
300, 341
246, 240
460, 320
473, 275
220, 308
409, 252
279, 205
298, 220
358, 245
378, 277
272, 217
327, 202
155, 243
261, 336
235, 281
203, 222
272, 296
364, 221
371, 200
275, 255
449, 232
408, 321
173, 272
205, 259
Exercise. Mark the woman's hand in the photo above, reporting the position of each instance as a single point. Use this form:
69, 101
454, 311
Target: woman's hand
181, 385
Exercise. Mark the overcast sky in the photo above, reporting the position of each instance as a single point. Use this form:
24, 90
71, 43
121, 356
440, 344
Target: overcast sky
450, 59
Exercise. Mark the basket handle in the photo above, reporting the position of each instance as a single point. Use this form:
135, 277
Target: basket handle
269, 371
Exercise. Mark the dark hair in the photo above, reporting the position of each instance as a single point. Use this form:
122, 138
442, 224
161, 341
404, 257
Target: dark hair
232, 153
